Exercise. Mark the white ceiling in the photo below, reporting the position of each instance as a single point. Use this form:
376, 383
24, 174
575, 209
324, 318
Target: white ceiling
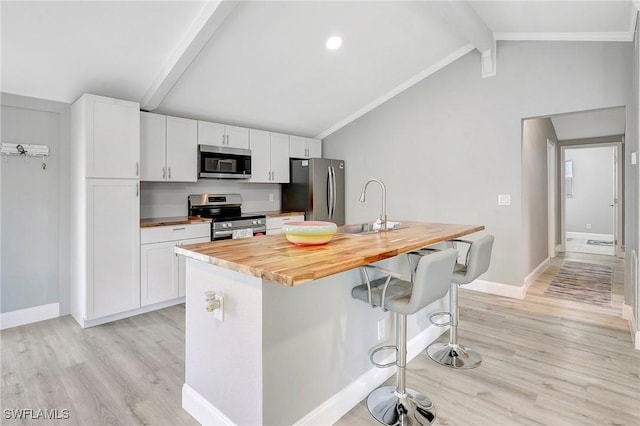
265, 65
590, 124
555, 17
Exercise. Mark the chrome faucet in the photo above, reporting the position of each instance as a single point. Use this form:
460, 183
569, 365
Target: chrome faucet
383, 218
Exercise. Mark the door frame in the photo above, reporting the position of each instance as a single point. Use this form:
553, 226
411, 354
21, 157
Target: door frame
618, 206
552, 194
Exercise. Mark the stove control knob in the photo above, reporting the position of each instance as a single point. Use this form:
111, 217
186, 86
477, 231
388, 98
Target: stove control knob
224, 225
229, 225
254, 222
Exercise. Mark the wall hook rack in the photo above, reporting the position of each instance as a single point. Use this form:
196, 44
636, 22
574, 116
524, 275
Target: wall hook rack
26, 151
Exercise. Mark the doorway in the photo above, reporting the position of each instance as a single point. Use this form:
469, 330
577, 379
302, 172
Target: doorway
590, 198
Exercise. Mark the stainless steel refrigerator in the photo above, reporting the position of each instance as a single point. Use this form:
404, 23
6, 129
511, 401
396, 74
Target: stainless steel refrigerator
317, 188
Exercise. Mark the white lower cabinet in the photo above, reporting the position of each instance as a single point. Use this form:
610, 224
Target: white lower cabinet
162, 272
274, 224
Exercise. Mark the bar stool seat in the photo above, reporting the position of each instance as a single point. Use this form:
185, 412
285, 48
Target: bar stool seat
399, 405
477, 259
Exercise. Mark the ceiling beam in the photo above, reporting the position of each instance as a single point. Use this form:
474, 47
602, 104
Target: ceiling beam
465, 21
202, 29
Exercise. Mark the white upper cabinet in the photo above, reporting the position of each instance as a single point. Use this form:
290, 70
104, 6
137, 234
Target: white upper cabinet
153, 141
217, 134
260, 143
279, 158
301, 147
112, 137
269, 157
182, 150
237, 137
169, 148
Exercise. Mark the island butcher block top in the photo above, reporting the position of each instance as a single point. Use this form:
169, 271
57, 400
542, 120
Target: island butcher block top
275, 259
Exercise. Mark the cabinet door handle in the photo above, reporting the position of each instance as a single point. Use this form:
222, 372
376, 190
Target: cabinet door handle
137, 190
227, 139
169, 175
137, 168
180, 229
164, 173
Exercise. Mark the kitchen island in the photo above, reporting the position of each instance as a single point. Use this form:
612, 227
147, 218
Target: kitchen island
294, 346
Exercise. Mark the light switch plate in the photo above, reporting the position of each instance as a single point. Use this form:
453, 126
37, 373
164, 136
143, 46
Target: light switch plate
504, 200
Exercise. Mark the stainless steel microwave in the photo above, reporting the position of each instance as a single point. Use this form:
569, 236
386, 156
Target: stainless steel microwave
217, 162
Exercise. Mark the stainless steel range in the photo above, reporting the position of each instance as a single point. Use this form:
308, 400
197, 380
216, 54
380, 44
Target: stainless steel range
225, 212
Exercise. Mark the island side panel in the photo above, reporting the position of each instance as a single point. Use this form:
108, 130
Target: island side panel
317, 340
223, 360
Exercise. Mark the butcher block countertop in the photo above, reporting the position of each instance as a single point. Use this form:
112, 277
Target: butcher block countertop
171, 221
273, 258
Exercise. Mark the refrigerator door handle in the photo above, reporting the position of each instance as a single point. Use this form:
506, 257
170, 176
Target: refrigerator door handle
334, 192
329, 193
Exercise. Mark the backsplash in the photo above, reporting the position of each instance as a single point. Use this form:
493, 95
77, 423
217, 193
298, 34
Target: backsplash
169, 199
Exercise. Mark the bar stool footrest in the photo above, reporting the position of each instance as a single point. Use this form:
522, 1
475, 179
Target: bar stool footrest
440, 314
384, 348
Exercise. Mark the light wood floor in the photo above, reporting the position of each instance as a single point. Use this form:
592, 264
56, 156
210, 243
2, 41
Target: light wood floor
128, 372
546, 361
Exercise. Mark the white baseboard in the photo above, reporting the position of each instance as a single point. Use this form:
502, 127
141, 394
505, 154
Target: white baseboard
342, 402
201, 409
506, 290
84, 323
589, 236
535, 274
29, 315
499, 289
627, 313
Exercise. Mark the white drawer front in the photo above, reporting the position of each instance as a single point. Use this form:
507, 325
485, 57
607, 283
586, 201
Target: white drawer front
158, 234
275, 223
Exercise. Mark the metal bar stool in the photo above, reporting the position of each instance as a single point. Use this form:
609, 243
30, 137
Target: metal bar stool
399, 405
476, 263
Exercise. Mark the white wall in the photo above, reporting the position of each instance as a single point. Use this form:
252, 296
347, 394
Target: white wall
35, 207
592, 193
535, 212
449, 145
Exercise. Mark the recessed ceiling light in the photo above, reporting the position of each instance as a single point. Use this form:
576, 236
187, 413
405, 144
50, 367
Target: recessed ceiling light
333, 43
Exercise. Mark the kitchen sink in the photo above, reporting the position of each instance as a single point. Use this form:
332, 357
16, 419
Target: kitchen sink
361, 228
358, 228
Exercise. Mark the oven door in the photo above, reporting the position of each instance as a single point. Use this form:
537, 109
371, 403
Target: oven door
216, 162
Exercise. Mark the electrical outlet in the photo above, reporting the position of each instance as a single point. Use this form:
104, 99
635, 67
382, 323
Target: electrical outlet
214, 303
271, 197
588, 226
381, 328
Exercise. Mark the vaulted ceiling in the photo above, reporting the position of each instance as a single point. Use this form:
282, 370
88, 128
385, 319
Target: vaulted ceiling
264, 64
